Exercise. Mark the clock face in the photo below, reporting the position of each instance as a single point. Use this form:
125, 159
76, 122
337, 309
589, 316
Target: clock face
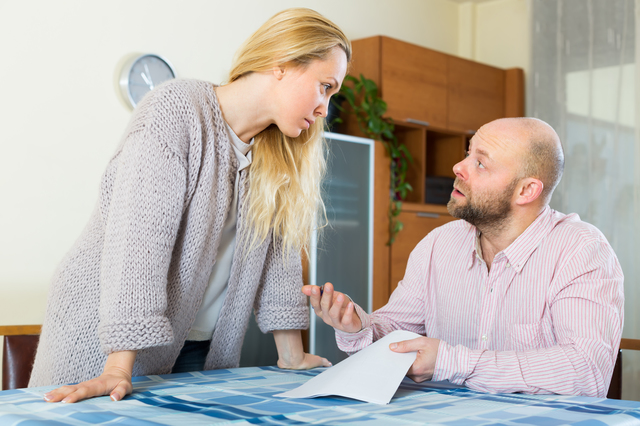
146, 72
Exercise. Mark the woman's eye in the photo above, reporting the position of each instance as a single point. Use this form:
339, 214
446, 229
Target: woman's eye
327, 87
480, 165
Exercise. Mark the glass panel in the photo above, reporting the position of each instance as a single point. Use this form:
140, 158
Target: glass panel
343, 246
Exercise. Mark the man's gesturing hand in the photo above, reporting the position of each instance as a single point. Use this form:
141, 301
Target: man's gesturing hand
335, 308
425, 363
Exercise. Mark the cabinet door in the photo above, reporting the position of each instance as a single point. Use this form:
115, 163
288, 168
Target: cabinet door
476, 94
414, 82
416, 226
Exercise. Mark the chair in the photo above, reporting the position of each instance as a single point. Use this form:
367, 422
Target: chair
19, 351
615, 388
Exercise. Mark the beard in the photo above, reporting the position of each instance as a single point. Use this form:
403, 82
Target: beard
484, 211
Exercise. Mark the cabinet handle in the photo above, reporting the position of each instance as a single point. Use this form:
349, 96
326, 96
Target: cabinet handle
430, 215
414, 121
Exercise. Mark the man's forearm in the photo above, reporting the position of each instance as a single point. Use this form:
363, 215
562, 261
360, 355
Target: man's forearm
403, 312
562, 369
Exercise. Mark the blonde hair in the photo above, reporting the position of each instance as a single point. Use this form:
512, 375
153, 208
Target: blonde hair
286, 173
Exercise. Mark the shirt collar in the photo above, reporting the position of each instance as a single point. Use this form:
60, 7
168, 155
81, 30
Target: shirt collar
523, 247
519, 251
476, 250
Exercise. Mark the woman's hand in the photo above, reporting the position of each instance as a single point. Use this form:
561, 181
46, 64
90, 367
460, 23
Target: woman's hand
115, 381
335, 308
291, 355
308, 361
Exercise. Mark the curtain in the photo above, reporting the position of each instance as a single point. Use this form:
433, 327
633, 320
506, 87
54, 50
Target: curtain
583, 82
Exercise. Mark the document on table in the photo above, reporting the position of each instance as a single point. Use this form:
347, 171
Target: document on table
371, 375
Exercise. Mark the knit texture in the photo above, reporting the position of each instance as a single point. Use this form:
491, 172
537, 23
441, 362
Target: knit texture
135, 278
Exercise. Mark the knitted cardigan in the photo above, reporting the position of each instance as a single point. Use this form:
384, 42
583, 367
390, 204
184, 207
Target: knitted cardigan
135, 278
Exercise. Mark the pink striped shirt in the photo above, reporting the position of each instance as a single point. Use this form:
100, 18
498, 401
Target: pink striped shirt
546, 318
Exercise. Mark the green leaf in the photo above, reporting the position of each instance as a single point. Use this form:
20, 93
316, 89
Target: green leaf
350, 78
370, 86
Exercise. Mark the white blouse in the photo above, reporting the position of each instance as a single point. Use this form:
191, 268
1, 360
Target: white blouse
213, 299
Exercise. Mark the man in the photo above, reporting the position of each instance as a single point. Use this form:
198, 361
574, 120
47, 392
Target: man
515, 297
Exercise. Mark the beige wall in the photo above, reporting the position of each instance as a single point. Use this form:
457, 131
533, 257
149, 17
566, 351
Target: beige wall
496, 32
60, 118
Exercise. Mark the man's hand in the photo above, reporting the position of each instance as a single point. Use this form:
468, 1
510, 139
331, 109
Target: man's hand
335, 308
425, 363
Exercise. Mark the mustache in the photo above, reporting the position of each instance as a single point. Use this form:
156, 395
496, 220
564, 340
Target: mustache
462, 187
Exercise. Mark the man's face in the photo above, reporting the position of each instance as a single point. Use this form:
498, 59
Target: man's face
486, 181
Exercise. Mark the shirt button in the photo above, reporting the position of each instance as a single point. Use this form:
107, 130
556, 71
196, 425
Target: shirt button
508, 265
484, 337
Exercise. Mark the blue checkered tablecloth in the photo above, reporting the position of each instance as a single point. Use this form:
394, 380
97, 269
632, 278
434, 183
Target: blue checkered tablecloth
244, 396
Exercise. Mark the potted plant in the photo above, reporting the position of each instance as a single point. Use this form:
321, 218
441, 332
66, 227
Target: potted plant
369, 109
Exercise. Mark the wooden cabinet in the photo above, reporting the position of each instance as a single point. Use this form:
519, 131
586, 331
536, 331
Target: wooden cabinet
437, 156
437, 89
437, 102
476, 94
418, 220
381, 251
413, 82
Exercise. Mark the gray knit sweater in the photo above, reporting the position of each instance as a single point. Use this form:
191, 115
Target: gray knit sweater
135, 278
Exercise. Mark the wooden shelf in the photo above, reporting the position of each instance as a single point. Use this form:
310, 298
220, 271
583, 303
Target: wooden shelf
426, 208
446, 99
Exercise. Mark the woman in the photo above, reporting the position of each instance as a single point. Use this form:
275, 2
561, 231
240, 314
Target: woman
202, 214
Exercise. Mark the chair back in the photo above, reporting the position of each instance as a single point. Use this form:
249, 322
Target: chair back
19, 351
615, 387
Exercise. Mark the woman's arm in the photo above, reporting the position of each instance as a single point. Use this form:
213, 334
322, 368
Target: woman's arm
114, 381
291, 355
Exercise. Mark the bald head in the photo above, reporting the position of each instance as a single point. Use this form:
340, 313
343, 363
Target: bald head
540, 149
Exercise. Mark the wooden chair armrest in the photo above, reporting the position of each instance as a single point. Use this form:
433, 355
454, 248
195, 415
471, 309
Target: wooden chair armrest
630, 344
13, 330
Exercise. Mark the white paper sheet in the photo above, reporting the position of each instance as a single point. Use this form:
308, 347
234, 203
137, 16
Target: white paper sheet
371, 375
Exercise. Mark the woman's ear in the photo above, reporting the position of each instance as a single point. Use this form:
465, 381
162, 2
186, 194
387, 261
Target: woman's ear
279, 71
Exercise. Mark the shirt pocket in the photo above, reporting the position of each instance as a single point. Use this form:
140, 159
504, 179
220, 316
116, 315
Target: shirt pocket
526, 336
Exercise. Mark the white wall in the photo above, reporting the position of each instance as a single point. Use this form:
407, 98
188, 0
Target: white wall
60, 118
496, 32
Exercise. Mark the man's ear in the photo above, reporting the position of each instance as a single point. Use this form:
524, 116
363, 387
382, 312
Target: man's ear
279, 71
529, 190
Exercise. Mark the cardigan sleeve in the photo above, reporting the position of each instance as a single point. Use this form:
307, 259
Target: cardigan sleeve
141, 220
280, 303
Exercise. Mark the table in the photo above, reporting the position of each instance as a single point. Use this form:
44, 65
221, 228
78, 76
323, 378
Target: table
245, 396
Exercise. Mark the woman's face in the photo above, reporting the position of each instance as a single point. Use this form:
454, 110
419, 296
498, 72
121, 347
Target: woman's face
302, 93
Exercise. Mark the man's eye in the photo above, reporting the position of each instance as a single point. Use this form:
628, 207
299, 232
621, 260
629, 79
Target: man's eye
480, 165
466, 154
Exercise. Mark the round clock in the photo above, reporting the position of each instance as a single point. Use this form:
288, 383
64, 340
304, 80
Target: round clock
142, 73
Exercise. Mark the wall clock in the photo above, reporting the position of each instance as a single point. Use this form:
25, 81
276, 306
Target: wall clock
142, 73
